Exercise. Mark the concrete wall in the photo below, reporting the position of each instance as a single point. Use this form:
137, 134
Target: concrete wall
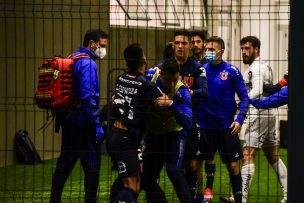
31, 32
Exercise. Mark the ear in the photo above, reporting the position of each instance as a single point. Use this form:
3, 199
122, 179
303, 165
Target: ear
91, 45
190, 45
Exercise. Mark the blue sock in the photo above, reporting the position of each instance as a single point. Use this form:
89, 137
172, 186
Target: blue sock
236, 183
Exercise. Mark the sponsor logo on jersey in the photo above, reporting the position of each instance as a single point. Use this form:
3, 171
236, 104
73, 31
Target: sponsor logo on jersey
121, 167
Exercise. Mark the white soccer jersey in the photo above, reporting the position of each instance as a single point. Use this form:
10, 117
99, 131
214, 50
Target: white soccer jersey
260, 123
258, 74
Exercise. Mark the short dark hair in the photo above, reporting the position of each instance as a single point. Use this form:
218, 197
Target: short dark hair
170, 67
216, 39
183, 33
134, 56
168, 51
203, 34
255, 42
94, 35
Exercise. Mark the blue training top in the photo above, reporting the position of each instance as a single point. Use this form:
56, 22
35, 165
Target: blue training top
217, 111
275, 100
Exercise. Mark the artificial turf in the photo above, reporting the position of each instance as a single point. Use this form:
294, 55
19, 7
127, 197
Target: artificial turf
32, 183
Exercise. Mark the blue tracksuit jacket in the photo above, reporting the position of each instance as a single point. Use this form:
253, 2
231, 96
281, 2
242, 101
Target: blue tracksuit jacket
217, 111
86, 88
275, 100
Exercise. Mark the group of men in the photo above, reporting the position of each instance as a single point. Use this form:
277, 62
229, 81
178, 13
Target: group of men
174, 115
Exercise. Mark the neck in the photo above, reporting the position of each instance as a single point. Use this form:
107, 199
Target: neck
217, 62
181, 60
142, 70
253, 60
199, 56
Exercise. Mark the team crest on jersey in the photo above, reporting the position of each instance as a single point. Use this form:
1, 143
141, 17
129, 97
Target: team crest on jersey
188, 81
224, 75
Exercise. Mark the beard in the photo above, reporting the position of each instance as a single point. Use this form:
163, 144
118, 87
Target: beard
196, 50
248, 59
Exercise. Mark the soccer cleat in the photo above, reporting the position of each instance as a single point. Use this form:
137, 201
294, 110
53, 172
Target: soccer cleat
208, 195
227, 199
284, 200
198, 198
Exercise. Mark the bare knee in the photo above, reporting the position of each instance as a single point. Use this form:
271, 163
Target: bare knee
248, 155
233, 168
132, 183
210, 161
272, 154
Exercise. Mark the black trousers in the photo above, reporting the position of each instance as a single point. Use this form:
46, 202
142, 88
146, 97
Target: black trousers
78, 141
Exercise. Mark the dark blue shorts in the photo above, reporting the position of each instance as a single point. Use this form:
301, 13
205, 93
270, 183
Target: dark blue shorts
124, 152
192, 144
222, 140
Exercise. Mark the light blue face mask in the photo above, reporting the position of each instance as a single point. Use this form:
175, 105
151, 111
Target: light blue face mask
210, 56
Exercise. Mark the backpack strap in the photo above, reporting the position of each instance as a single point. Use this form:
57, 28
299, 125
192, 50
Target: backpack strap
78, 56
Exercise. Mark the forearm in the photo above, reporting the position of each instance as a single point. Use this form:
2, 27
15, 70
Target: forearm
202, 90
182, 114
271, 89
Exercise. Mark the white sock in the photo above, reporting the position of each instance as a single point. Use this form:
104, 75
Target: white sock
281, 171
247, 175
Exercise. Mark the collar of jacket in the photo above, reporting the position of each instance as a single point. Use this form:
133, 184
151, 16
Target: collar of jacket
89, 52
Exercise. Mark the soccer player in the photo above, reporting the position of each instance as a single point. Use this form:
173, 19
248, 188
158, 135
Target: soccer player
260, 131
133, 94
218, 128
198, 46
193, 75
167, 130
198, 49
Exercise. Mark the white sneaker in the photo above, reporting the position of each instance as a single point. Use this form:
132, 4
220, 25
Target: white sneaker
244, 199
284, 200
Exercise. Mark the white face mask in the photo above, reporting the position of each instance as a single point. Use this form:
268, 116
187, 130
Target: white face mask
101, 52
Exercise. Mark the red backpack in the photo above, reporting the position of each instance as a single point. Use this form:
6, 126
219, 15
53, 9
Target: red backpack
55, 83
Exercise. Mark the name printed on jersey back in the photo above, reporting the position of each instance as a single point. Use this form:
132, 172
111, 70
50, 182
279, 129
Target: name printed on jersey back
126, 90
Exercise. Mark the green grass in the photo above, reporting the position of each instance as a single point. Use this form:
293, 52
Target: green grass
25, 183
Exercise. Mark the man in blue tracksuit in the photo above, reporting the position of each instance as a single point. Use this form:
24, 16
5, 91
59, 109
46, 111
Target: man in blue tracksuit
167, 130
217, 127
193, 76
273, 101
81, 127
